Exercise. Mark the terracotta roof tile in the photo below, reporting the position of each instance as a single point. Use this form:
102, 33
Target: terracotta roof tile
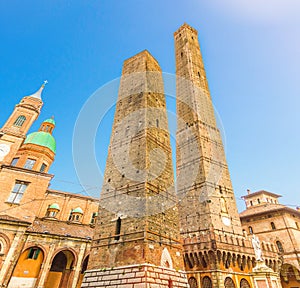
265, 208
261, 192
61, 228
12, 219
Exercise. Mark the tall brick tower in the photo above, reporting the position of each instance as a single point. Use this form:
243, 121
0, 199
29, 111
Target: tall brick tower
137, 241
210, 224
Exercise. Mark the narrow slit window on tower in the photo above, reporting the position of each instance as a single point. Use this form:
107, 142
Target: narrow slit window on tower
118, 228
250, 230
14, 162
273, 226
20, 121
70, 216
279, 246
157, 123
127, 130
43, 167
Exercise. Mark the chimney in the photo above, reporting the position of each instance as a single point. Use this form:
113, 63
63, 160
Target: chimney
248, 191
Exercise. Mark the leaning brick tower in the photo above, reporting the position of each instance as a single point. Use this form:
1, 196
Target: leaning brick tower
216, 251
137, 240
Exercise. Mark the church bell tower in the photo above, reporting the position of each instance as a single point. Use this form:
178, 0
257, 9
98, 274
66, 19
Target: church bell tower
14, 131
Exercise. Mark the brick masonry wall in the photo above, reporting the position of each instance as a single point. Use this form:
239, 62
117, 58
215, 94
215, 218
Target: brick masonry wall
203, 180
138, 200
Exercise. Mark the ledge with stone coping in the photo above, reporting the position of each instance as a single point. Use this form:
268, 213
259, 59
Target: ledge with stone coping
135, 276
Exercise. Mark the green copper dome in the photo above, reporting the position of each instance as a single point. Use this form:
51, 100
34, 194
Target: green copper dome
50, 120
54, 206
77, 210
41, 138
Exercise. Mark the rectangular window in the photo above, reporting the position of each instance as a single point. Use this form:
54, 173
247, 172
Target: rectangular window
43, 167
29, 163
94, 217
17, 192
51, 214
33, 253
14, 161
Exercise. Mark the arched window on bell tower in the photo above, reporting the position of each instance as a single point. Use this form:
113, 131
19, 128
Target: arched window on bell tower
20, 121
23, 116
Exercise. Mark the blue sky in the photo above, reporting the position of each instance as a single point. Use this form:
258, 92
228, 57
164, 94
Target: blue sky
251, 53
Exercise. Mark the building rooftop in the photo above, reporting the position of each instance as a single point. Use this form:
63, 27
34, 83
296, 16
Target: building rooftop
61, 228
267, 208
252, 194
50, 120
5, 217
70, 194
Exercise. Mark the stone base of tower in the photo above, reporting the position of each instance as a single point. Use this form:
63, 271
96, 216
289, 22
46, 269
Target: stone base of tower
135, 276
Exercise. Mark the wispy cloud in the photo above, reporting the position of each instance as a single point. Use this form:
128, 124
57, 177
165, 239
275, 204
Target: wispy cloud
266, 11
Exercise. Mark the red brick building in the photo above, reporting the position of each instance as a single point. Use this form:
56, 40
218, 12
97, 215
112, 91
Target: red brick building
45, 235
278, 228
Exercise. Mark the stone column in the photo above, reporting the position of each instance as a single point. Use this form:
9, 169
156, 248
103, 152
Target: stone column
217, 279
11, 259
45, 267
79, 264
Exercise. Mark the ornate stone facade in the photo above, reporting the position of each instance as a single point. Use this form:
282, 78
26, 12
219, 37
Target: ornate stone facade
278, 228
45, 236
